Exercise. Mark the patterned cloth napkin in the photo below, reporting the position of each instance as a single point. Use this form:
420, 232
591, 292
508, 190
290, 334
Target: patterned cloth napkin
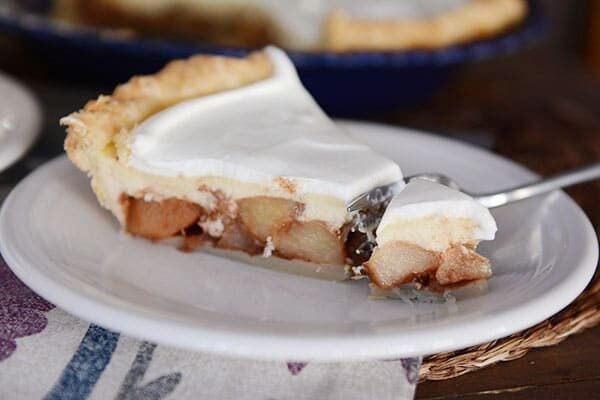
46, 353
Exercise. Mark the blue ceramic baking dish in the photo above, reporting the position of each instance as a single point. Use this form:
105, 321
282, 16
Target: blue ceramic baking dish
348, 85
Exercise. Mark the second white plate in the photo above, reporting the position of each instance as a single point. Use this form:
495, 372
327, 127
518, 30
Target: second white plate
58, 240
20, 121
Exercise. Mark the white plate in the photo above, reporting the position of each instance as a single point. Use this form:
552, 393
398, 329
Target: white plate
64, 246
20, 120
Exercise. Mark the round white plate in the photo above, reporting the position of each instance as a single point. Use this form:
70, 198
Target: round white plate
58, 240
20, 121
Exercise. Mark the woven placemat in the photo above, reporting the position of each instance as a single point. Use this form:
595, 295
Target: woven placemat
582, 314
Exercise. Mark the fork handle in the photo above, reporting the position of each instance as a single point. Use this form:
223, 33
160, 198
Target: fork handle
563, 180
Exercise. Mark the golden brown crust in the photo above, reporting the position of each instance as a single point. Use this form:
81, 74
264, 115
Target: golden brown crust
103, 124
475, 20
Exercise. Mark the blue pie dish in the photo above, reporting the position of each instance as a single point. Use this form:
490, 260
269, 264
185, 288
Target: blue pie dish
344, 84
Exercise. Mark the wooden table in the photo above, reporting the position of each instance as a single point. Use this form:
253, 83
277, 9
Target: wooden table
538, 109
570, 370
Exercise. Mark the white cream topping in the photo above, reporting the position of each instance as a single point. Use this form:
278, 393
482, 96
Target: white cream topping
421, 198
300, 22
260, 133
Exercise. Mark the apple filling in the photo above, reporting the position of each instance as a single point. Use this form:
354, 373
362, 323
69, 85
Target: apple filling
272, 226
254, 225
397, 263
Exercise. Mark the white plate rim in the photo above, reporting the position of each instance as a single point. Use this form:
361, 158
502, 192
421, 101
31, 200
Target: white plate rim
14, 147
220, 341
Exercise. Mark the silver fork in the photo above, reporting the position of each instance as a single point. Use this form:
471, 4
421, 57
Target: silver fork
370, 206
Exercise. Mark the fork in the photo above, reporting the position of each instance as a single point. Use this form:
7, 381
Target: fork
370, 206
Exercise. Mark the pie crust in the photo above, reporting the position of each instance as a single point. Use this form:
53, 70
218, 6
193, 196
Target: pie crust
478, 19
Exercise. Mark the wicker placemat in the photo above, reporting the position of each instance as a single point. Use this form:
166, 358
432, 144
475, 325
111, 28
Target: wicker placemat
582, 314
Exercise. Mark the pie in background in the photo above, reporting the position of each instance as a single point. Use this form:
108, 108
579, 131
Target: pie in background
336, 25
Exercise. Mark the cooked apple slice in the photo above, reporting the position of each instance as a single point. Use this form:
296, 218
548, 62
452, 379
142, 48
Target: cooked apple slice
311, 241
396, 263
236, 237
264, 215
159, 219
461, 264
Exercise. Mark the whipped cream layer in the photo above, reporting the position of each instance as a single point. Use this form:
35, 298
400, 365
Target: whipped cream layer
300, 22
421, 198
260, 133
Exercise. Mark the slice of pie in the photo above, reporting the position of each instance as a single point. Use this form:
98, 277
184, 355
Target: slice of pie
429, 236
338, 25
232, 155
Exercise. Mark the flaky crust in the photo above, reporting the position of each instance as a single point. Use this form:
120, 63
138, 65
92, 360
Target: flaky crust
104, 123
475, 20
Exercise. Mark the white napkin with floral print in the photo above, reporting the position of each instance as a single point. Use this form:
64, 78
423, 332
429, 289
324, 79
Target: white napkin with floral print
46, 353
